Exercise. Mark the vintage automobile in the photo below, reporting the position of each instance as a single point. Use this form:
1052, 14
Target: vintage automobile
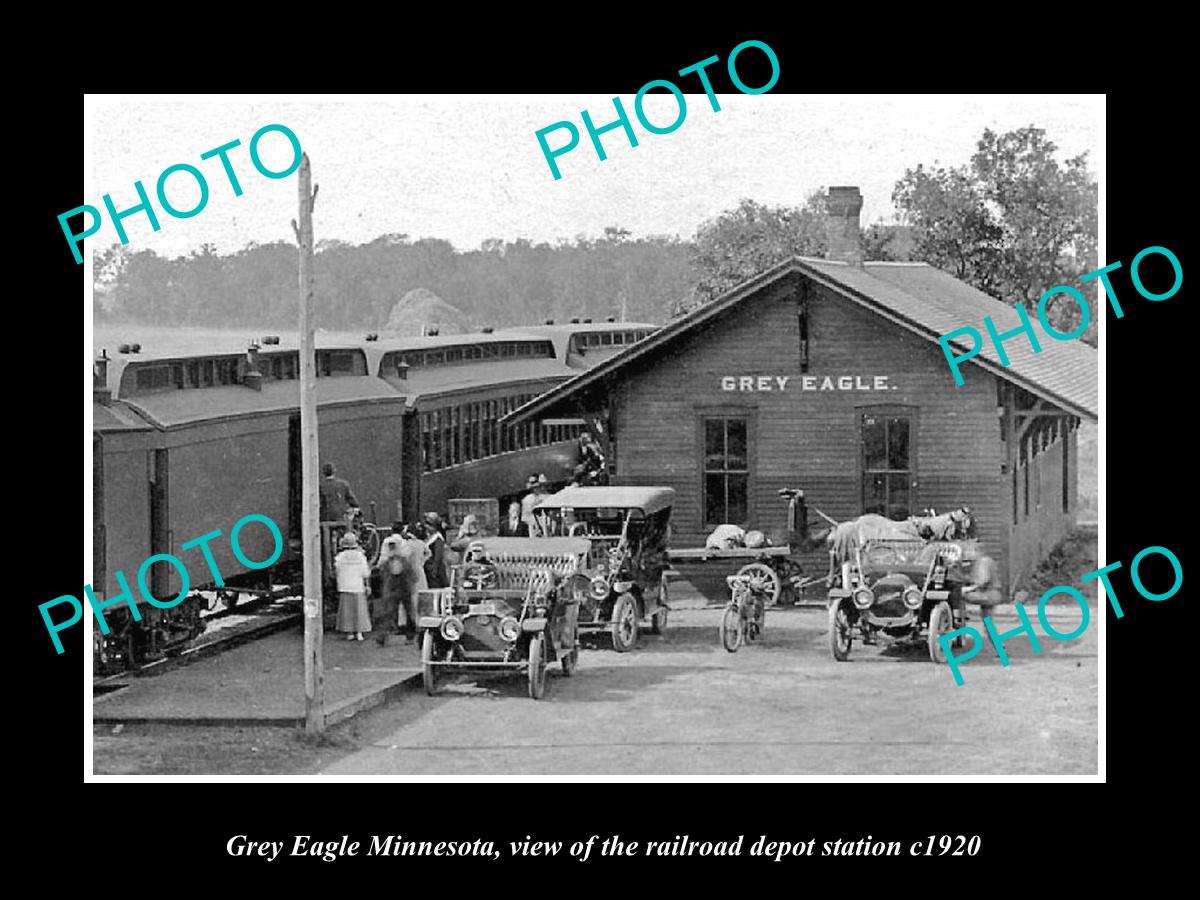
515, 610
627, 528
745, 617
902, 588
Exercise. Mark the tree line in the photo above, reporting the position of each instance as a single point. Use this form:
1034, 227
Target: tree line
1013, 221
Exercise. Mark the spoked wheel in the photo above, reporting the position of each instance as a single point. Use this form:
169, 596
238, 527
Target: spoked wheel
731, 628
764, 580
941, 621
370, 542
428, 670
537, 667
624, 624
840, 631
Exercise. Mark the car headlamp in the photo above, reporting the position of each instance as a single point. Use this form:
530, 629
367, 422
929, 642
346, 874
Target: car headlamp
452, 628
598, 589
912, 597
510, 629
863, 598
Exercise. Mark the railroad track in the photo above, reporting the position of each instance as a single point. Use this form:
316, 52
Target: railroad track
258, 617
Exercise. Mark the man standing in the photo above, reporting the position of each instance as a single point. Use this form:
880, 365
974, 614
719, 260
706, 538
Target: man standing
512, 526
414, 554
590, 469
528, 502
435, 566
391, 608
336, 496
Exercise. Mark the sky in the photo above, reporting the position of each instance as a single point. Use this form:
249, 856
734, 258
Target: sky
470, 168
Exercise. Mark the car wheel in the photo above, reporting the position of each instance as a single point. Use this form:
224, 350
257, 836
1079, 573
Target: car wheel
537, 667
941, 621
570, 662
841, 634
763, 579
428, 670
624, 624
731, 629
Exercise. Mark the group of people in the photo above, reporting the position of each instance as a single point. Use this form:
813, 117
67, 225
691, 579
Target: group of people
416, 556
413, 558
419, 555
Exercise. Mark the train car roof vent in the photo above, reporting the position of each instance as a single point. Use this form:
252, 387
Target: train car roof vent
122, 348
373, 336
549, 322
432, 332
271, 339
587, 321
575, 320
487, 329
135, 348
611, 319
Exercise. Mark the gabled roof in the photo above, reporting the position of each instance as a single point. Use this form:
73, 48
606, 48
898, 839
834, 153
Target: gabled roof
915, 296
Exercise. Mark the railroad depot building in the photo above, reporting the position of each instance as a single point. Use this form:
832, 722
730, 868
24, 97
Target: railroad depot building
826, 375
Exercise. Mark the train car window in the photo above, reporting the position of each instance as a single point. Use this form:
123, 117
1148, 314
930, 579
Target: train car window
434, 358
527, 428
618, 337
453, 354
226, 371
426, 442
177, 375
193, 375
439, 439
471, 432
340, 362
154, 378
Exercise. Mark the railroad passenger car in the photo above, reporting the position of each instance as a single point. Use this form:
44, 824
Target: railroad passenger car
223, 442
185, 444
458, 387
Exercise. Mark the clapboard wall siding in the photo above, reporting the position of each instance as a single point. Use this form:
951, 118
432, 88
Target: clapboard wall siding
812, 438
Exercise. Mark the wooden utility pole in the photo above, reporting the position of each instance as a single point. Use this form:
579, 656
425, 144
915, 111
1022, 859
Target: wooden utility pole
310, 525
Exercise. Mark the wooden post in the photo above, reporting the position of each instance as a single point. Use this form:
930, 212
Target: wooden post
310, 527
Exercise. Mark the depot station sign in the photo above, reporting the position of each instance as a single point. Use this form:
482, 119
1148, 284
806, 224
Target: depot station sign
769, 383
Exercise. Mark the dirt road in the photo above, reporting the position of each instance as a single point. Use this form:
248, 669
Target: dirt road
681, 705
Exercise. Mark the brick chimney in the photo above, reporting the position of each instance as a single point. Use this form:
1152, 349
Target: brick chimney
843, 204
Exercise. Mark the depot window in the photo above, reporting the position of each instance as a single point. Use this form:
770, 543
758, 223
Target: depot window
887, 462
726, 470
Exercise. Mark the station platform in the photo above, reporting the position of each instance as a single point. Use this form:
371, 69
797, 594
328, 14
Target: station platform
262, 683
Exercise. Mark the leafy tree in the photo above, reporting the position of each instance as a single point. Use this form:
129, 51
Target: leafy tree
743, 242
1014, 222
